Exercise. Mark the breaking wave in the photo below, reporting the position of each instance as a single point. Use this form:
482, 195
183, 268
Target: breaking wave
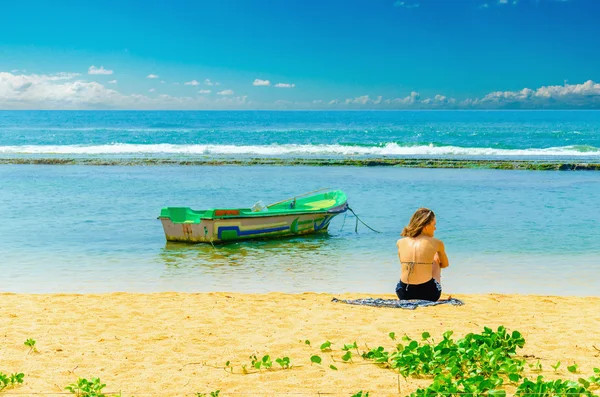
388, 149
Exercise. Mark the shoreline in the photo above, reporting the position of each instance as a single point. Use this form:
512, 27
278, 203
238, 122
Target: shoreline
500, 164
177, 344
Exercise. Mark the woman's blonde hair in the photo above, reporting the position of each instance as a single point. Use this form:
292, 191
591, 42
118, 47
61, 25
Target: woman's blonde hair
421, 218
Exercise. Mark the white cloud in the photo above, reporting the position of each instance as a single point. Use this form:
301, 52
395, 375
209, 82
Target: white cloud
94, 70
112, 82
409, 100
66, 91
211, 83
439, 100
61, 91
51, 92
586, 95
152, 90
163, 82
359, 100
236, 101
152, 76
363, 100
485, 5
192, 83
285, 85
175, 83
502, 1
412, 101
406, 4
56, 76
261, 83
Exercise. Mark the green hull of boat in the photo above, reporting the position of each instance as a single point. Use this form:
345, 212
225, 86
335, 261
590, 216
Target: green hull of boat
296, 216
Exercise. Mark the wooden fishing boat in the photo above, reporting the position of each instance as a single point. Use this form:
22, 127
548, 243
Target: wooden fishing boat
303, 214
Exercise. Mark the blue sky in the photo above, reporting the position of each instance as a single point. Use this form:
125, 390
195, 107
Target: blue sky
323, 54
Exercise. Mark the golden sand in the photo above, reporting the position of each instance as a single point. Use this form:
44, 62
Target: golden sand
175, 344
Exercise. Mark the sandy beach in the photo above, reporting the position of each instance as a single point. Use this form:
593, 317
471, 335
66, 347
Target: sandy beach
176, 344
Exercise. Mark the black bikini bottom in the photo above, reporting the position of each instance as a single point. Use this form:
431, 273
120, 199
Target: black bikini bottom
430, 291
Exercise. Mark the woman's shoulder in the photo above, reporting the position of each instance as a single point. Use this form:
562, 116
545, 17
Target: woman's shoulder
437, 241
402, 240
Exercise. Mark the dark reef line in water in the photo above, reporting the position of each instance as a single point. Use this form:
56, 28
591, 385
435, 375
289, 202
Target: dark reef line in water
534, 165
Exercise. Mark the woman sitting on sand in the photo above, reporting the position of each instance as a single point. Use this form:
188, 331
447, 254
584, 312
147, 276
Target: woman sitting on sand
421, 259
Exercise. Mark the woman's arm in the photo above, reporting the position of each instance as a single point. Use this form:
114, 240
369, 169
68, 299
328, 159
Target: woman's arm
441, 251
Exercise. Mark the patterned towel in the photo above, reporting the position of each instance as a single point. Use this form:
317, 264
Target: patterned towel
411, 304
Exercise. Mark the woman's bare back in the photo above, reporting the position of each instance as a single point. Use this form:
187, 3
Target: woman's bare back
418, 257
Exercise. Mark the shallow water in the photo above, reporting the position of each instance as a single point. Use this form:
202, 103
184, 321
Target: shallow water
94, 229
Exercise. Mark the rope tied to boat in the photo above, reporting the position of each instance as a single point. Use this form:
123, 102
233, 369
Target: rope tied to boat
361, 221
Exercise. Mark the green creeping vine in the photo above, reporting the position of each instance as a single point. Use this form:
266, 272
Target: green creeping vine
487, 354
476, 365
86, 388
8, 381
258, 364
31, 344
212, 394
557, 387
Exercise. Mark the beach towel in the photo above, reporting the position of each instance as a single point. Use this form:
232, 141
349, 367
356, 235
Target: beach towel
404, 304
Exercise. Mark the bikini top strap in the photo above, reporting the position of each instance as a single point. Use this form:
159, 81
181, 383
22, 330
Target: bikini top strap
411, 263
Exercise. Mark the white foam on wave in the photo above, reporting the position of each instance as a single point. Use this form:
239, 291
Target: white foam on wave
390, 149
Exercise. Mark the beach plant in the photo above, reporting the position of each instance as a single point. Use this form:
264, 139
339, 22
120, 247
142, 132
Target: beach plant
361, 394
348, 349
476, 354
592, 381
284, 362
448, 385
211, 394
572, 368
264, 363
555, 366
348, 356
326, 346
558, 387
31, 344
351, 346
476, 365
88, 388
536, 367
315, 359
10, 381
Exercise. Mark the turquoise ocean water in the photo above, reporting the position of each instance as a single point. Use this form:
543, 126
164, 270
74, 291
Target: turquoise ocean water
82, 228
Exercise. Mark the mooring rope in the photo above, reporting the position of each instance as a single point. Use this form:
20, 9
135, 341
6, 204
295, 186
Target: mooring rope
361, 221
344, 222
